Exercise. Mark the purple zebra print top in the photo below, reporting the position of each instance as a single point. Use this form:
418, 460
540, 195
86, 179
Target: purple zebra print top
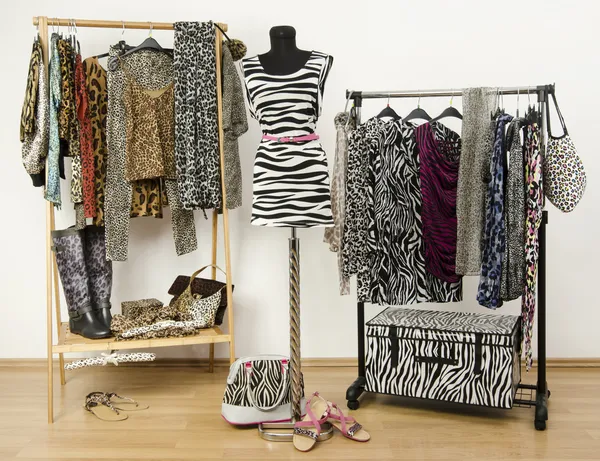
439, 153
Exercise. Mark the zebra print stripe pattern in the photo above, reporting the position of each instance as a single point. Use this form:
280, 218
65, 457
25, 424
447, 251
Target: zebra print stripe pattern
265, 382
450, 356
291, 180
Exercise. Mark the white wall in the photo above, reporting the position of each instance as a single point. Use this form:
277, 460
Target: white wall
377, 45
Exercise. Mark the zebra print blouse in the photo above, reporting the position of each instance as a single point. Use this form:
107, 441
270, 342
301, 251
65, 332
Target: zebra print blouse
383, 232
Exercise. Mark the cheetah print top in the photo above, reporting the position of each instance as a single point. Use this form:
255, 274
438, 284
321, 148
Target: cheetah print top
150, 130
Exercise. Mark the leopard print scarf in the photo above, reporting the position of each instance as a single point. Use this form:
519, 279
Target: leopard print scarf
196, 136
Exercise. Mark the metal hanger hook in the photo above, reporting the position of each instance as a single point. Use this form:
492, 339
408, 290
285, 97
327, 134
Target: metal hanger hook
451, 98
528, 98
419, 100
388, 100
151, 28
350, 93
123, 31
518, 97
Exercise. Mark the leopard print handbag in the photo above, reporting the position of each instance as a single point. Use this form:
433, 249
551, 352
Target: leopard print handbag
564, 175
200, 309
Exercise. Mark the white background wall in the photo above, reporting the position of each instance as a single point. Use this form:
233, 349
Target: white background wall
377, 45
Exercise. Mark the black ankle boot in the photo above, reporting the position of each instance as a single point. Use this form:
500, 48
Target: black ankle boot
68, 245
85, 323
99, 272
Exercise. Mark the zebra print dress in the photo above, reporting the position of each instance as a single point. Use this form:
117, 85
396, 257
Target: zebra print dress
291, 180
395, 244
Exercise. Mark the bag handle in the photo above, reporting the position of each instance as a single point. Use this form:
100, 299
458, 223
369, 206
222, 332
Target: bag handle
201, 269
560, 116
282, 391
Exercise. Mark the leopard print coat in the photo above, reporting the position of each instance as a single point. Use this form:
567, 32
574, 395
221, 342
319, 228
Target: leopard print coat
196, 133
35, 144
152, 71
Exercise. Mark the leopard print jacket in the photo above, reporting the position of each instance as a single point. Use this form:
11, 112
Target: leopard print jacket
151, 71
28, 113
35, 143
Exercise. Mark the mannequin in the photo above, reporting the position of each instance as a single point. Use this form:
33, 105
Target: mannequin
284, 57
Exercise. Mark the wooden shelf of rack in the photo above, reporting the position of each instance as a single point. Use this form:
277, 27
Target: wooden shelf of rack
69, 342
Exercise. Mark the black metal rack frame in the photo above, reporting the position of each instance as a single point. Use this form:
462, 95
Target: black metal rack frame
525, 395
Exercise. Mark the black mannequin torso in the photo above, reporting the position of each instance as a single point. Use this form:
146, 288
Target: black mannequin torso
284, 57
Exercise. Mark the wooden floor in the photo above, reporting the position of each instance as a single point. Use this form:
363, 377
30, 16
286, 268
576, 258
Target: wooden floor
184, 421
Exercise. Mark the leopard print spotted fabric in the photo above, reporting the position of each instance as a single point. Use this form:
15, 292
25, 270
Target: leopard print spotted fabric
35, 144
67, 118
196, 134
95, 82
533, 220
151, 71
494, 231
513, 264
85, 139
235, 124
52, 193
28, 112
344, 124
150, 131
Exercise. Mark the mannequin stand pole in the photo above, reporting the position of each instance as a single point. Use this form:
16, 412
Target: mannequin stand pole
284, 432
295, 367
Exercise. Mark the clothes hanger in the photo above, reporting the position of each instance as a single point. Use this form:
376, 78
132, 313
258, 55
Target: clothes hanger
388, 112
148, 44
449, 111
418, 113
121, 44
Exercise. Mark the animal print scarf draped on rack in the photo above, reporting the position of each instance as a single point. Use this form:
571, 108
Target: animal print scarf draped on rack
196, 136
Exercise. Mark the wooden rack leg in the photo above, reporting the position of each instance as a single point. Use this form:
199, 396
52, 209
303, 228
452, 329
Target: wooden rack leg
219, 45
215, 229
43, 31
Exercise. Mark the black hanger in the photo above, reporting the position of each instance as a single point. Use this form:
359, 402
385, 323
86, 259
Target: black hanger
123, 47
449, 111
418, 113
388, 112
148, 44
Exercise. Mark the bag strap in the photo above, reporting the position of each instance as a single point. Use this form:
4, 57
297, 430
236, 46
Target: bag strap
201, 269
560, 116
282, 390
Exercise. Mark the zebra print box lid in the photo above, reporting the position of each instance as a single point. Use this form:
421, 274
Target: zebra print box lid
442, 325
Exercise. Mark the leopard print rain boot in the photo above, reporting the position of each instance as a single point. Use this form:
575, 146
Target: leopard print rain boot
69, 249
100, 273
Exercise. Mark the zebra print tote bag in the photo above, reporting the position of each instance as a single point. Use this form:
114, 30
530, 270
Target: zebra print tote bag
258, 391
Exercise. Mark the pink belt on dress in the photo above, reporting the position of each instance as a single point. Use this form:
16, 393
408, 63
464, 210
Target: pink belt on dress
306, 137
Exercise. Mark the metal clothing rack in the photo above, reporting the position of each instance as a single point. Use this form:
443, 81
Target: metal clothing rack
68, 342
525, 394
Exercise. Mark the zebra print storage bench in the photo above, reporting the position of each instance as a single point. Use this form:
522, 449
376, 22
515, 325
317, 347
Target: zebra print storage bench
450, 356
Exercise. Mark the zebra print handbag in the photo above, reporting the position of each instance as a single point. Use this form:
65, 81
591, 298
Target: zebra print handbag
258, 391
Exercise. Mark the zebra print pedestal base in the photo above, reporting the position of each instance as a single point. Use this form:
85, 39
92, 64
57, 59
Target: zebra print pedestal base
450, 356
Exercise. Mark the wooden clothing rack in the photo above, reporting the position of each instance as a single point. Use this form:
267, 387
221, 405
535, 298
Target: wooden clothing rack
525, 392
68, 342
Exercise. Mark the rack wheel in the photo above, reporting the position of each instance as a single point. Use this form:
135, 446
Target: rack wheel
353, 404
540, 425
